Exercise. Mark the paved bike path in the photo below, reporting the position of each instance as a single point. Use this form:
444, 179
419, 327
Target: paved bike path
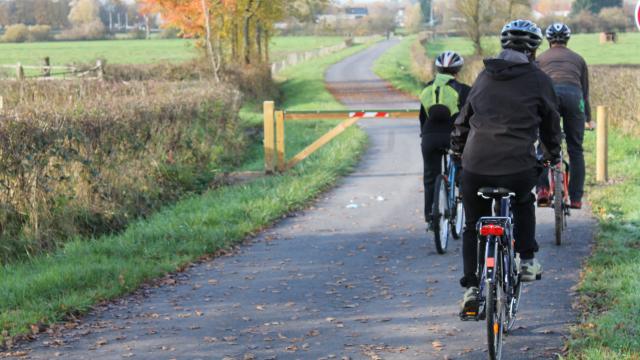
354, 276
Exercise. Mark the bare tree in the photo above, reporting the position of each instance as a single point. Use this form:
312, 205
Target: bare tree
471, 11
513, 3
215, 60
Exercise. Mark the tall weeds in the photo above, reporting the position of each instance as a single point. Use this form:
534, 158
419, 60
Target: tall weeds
85, 158
618, 88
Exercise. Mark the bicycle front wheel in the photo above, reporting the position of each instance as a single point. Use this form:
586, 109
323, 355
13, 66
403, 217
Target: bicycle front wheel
558, 205
458, 224
440, 215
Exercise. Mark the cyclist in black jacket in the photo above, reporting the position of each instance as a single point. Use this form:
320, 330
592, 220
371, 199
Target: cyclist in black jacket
511, 102
441, 101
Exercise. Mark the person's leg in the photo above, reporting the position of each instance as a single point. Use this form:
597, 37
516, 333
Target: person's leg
574, 120
475, 207
432, 161
524, 219
524, 212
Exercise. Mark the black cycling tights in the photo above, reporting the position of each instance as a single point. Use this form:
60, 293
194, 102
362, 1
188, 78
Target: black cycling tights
475, 207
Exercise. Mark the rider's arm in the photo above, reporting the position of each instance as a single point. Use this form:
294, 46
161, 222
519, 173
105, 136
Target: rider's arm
585, 91
461, 129
423, 118
550, 133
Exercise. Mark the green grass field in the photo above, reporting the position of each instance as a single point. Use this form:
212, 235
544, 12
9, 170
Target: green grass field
45, 289
609, 295
138, 51
625, 51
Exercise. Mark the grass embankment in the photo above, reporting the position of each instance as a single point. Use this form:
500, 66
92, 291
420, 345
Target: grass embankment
625, 51
395, 67
47, 289
139, 51
609, 293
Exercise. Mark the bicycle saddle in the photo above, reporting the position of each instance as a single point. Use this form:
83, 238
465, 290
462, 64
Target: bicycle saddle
495, 192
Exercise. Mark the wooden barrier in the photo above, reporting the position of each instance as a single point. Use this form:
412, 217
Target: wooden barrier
280, 141
268, 112
323, 140
274, 143
602, 128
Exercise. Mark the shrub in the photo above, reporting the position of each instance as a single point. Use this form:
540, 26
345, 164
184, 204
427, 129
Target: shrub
583, 22
170, 33
16, 33
94, 30
40, 33
137, 34
617, 88
86, 158
613, 19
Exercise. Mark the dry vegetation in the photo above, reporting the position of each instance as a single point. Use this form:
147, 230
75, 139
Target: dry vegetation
84, 158
618, 88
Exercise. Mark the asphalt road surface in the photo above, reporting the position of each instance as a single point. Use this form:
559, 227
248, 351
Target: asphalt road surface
355, 276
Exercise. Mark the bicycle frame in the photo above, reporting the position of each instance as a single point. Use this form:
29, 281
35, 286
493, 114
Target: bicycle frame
493, 246
451, 179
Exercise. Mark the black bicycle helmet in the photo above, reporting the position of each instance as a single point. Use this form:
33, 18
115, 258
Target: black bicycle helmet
521, 35
449, 62
558, 33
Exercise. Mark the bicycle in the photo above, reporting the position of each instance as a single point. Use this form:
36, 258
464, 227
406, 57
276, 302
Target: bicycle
447, 212
500, 287
559, 184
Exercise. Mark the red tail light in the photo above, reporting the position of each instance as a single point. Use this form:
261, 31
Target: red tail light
495, 230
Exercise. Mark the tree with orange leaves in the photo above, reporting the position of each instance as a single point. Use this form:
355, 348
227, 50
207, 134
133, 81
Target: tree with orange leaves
230, 30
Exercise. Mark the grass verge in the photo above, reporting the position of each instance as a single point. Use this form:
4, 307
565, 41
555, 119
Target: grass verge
394, 66
609, 294
47, 289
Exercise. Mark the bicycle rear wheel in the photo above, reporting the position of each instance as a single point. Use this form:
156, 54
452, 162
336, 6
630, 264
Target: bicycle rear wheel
558, 205
496, 313
440, 215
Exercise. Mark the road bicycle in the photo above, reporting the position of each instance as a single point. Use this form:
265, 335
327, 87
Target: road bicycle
447, 212
500, 287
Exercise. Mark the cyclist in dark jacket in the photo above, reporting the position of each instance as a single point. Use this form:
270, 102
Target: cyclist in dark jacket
570, 76
441, 101
510, 104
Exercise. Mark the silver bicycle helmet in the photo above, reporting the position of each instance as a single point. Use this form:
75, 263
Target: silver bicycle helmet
558, 33
521, 35
449, 62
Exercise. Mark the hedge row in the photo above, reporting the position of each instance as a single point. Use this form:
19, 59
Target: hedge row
85, 158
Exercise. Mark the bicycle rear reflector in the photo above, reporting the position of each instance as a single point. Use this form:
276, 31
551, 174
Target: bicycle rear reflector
495, 230
491, 262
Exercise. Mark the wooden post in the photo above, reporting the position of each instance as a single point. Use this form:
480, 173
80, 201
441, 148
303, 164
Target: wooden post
20, 72
602, 143
46, 70
269, 140
100, 69
280, 141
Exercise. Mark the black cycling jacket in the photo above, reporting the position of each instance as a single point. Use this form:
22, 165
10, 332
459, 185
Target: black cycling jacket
508, 106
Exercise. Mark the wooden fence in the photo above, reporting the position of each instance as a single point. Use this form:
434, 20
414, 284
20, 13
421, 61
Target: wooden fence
49, 72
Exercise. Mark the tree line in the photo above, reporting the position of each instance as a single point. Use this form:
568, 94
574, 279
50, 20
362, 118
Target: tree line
55, 13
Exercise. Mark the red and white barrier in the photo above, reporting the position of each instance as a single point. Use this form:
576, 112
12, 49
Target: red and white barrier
362, 114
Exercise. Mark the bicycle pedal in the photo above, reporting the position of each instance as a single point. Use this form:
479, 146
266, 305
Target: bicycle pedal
468, 316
